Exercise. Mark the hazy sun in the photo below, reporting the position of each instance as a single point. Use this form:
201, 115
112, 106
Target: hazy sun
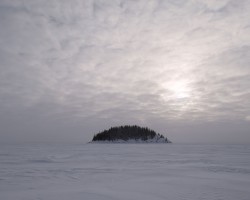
178, 89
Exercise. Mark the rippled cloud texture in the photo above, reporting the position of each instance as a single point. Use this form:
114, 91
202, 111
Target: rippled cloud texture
71, 68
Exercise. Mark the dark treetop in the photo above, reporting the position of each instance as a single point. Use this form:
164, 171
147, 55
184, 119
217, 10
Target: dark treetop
126, 133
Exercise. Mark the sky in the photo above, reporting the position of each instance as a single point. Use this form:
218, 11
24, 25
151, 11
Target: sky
69, 69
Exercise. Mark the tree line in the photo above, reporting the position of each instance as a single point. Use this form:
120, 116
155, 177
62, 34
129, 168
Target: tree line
125, 133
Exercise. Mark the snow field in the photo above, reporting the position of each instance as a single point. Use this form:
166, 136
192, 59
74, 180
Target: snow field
125, 172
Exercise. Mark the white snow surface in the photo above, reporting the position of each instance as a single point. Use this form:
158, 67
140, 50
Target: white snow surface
125, 172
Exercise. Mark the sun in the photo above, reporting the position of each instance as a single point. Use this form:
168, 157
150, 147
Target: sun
179, 89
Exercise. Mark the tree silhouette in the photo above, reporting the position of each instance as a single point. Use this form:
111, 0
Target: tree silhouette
127, 133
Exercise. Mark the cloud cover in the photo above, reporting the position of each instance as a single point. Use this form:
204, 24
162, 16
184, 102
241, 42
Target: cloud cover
71, 68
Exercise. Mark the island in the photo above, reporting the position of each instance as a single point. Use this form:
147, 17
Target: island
129, 134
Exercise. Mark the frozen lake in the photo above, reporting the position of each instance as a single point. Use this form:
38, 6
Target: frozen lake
125, 172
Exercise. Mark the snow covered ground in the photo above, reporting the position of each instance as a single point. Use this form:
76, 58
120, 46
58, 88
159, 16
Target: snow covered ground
125, 172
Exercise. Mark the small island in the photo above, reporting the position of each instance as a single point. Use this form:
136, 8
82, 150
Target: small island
129, 134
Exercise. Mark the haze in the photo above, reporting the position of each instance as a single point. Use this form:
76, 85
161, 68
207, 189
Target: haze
69, 69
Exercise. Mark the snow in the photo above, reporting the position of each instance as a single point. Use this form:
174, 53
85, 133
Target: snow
125, 171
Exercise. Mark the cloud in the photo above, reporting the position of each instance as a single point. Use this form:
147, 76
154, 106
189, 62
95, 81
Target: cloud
125, 61
247, 118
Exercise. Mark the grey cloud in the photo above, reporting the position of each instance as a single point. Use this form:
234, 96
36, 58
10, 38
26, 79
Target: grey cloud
86, 65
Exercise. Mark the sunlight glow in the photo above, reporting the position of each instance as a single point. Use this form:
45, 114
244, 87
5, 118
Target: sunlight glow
178, 89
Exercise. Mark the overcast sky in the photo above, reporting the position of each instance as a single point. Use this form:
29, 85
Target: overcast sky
69, 69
